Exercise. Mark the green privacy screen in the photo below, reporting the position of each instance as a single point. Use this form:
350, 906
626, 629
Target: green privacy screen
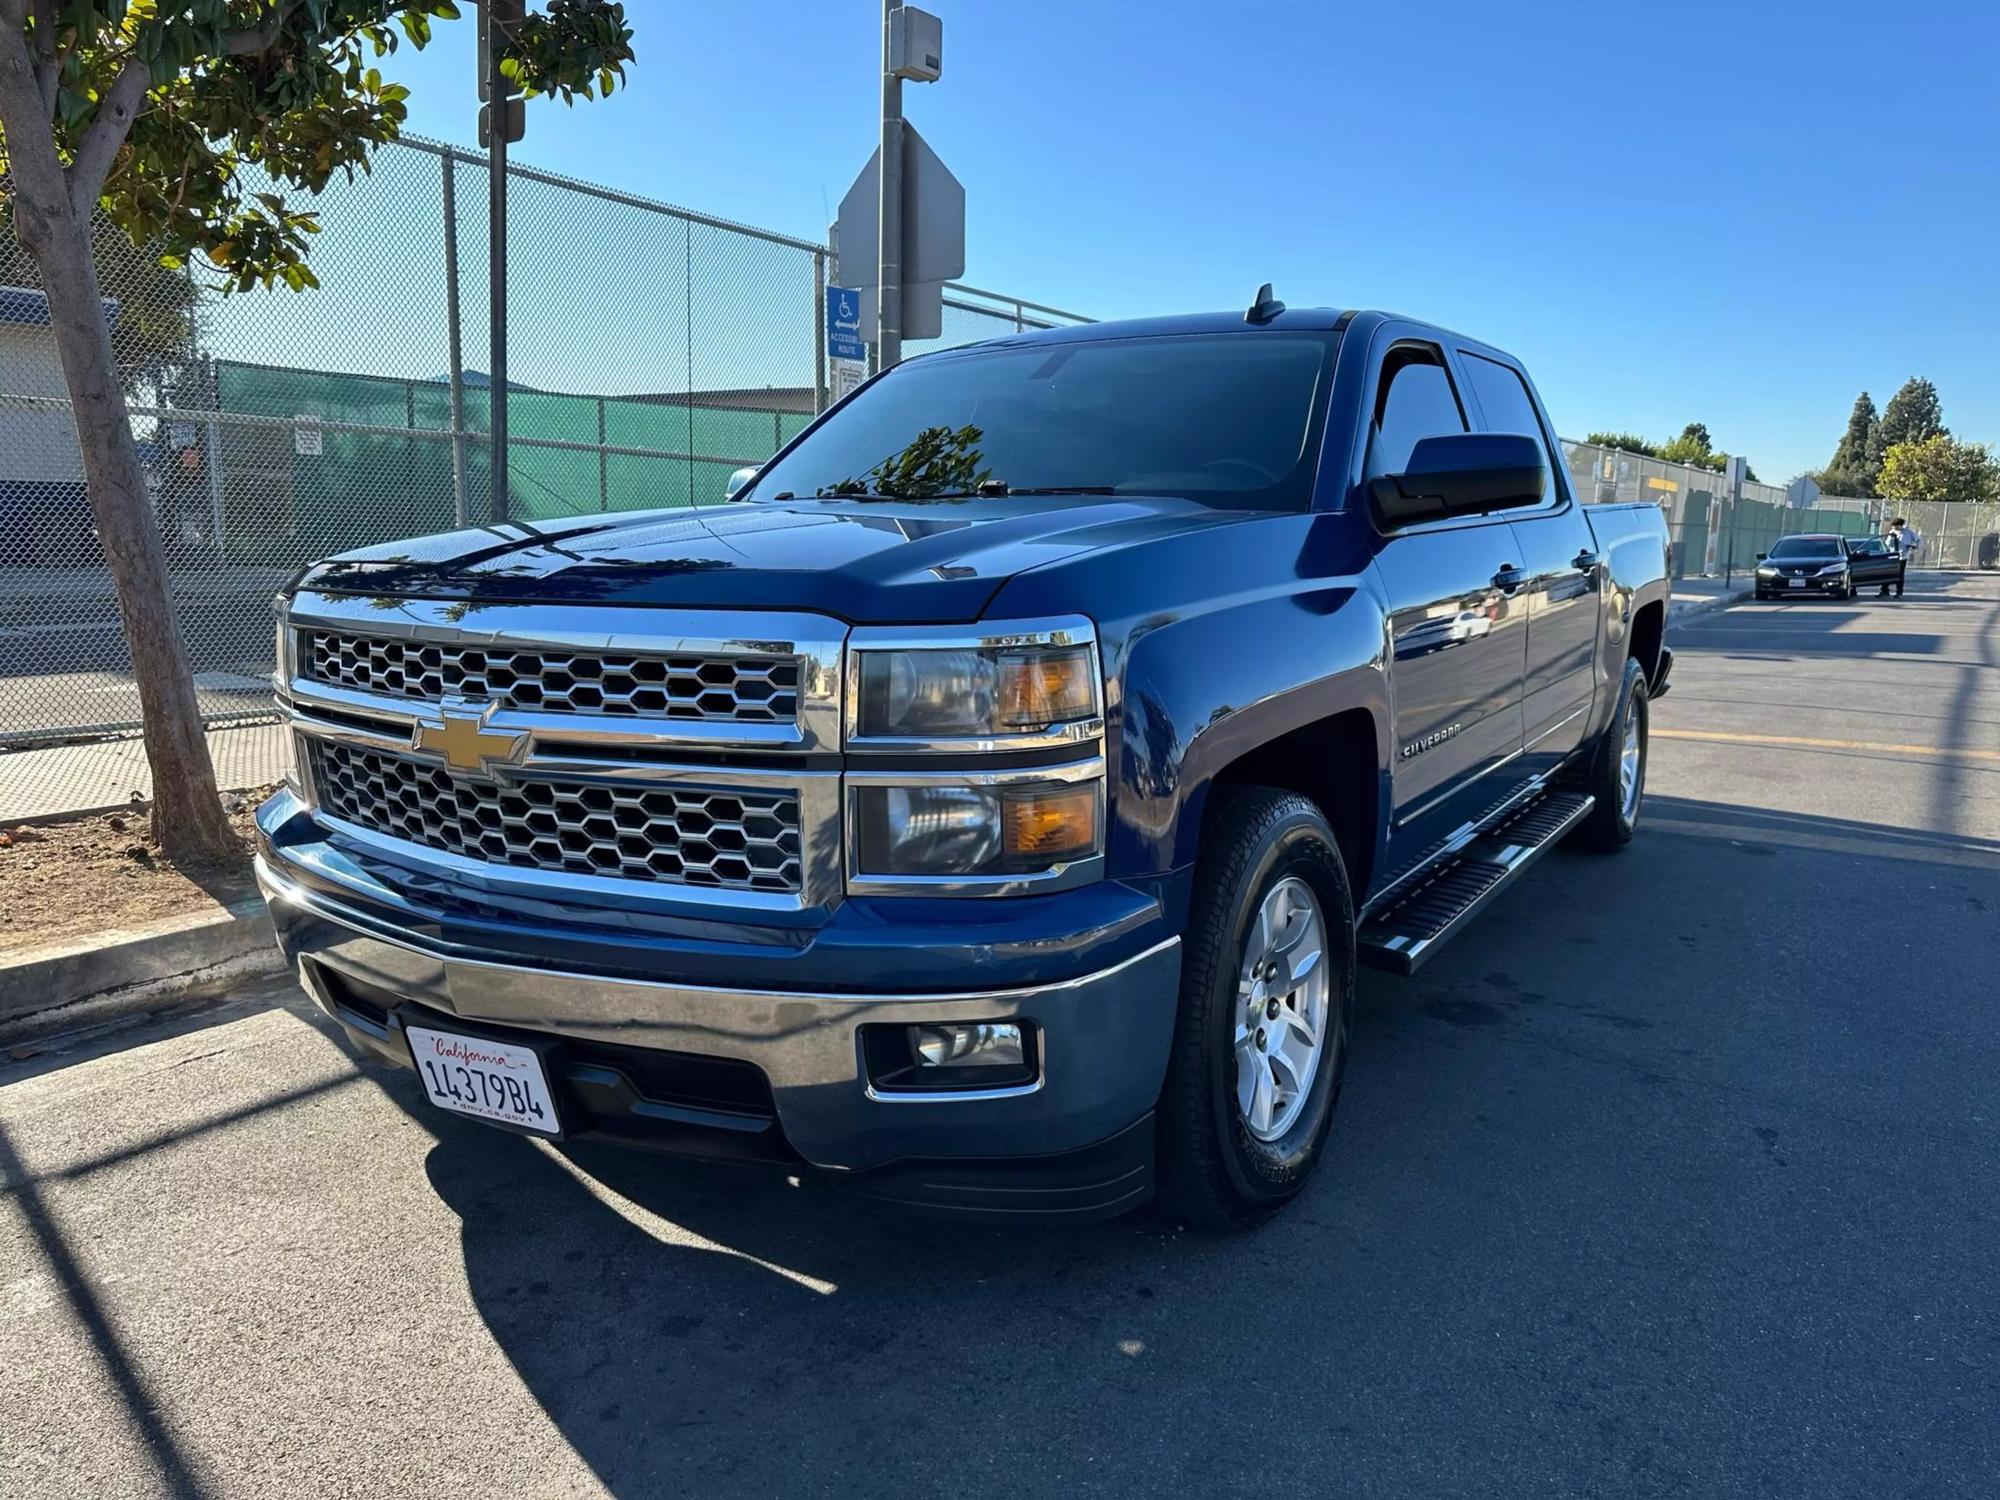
568, 455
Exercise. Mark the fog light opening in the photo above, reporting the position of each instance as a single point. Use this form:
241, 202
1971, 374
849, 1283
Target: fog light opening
989, 1044
943, 1057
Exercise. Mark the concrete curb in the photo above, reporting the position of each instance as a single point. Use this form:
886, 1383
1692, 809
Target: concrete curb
121, 973
1685, 607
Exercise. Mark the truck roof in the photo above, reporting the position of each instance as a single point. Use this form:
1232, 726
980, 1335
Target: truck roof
1316, 319
1319, 319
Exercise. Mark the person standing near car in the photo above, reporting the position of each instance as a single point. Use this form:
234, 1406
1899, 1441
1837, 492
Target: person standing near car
1912, 541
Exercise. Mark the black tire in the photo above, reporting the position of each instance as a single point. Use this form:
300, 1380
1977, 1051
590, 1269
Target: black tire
1610, 825
1214, 1170
1761, 595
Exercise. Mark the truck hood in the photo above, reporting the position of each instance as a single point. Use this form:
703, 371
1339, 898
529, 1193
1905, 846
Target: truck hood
867, 561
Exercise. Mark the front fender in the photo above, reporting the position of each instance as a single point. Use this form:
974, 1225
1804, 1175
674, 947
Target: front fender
1203, 690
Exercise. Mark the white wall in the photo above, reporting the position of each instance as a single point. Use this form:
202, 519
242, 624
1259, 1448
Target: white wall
36, 442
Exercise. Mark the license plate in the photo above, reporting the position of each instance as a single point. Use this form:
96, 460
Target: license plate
501, 1082
1798, 583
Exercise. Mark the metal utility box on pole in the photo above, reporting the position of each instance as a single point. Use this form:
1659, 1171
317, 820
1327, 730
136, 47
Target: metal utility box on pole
498, 20
912, 48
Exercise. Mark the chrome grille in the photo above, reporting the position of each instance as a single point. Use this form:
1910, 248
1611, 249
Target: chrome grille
729, 838
742, 689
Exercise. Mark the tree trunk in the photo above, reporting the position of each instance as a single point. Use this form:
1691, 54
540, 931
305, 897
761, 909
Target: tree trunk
188, 819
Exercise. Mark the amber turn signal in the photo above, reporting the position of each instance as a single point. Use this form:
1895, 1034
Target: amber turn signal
1051, 823
1046, 687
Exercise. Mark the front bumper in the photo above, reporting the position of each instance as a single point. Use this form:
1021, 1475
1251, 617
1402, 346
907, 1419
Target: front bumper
687, 1067
1798, 586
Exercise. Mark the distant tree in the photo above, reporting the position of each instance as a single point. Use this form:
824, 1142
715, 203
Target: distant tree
1857, 459
1629, 442
1846, 479
147, 114
1913, 415
1940, 467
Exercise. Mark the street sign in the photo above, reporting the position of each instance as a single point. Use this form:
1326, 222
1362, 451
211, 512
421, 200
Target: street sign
843, 324
517, 121
844, 376
933, 238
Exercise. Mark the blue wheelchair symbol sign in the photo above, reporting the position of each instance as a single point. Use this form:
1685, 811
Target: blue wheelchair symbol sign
843, 324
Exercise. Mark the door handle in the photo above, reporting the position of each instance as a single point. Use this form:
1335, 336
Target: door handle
1587, 561
1509, 578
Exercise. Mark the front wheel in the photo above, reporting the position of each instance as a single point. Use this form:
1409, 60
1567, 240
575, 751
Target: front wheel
1260, 1040
1617, 774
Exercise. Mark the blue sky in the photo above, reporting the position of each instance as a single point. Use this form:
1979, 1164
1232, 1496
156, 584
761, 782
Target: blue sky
1735, 213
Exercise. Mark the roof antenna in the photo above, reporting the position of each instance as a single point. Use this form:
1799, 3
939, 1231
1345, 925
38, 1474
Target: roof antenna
1265, 308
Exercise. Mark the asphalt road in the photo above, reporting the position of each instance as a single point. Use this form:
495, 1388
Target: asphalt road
1679, 1175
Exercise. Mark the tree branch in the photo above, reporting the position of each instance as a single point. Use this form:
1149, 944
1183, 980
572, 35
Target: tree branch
252, 40
48, 71
107, 133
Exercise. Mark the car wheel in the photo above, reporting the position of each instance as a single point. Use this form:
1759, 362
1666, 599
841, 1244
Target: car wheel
1617, 773
1260, 1039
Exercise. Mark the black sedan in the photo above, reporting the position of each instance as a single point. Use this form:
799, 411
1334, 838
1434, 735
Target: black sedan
1870, 559
1801, 565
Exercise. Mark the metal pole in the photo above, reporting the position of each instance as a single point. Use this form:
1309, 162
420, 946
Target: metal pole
819, 333
603, 462
460, 515
889, 224
1735, 509
214, 467
498, 93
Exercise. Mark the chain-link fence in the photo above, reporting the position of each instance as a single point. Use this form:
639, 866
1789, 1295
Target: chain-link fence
1714, 533
651, 350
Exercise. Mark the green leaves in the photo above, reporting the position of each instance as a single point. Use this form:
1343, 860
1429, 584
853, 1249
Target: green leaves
1939, 467
301, 98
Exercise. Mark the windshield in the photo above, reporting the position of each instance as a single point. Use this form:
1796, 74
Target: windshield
1226, 419
1804, 548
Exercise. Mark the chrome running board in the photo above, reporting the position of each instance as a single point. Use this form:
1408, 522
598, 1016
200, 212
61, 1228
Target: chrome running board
1438, 904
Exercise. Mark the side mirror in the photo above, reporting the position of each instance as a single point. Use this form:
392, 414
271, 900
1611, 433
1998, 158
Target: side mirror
738, 481
1762, 555
1462, 474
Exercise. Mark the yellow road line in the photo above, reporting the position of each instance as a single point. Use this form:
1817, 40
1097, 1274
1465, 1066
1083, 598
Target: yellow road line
1800, 742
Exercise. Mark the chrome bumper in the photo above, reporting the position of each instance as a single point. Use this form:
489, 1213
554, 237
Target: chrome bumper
1104, 1036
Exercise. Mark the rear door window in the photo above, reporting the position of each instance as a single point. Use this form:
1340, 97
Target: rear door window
1504, 402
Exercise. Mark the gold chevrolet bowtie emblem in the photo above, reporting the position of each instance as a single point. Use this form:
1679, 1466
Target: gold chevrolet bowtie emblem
460, 735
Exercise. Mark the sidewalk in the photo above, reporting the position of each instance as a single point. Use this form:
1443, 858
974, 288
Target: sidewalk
1693, 596
67, 779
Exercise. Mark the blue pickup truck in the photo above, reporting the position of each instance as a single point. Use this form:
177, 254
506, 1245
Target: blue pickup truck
987, 810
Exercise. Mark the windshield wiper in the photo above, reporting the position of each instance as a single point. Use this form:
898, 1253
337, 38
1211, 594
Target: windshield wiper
997, 488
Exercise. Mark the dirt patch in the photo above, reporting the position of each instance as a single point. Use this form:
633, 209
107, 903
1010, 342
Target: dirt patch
62, 881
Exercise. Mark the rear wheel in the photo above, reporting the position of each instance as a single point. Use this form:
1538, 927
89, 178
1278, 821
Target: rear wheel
1617, 774
1260, 1042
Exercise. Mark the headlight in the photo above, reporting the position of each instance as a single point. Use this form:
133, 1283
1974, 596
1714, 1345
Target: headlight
979, 828
998, 690
1832, 568
1767, 571
283, 653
